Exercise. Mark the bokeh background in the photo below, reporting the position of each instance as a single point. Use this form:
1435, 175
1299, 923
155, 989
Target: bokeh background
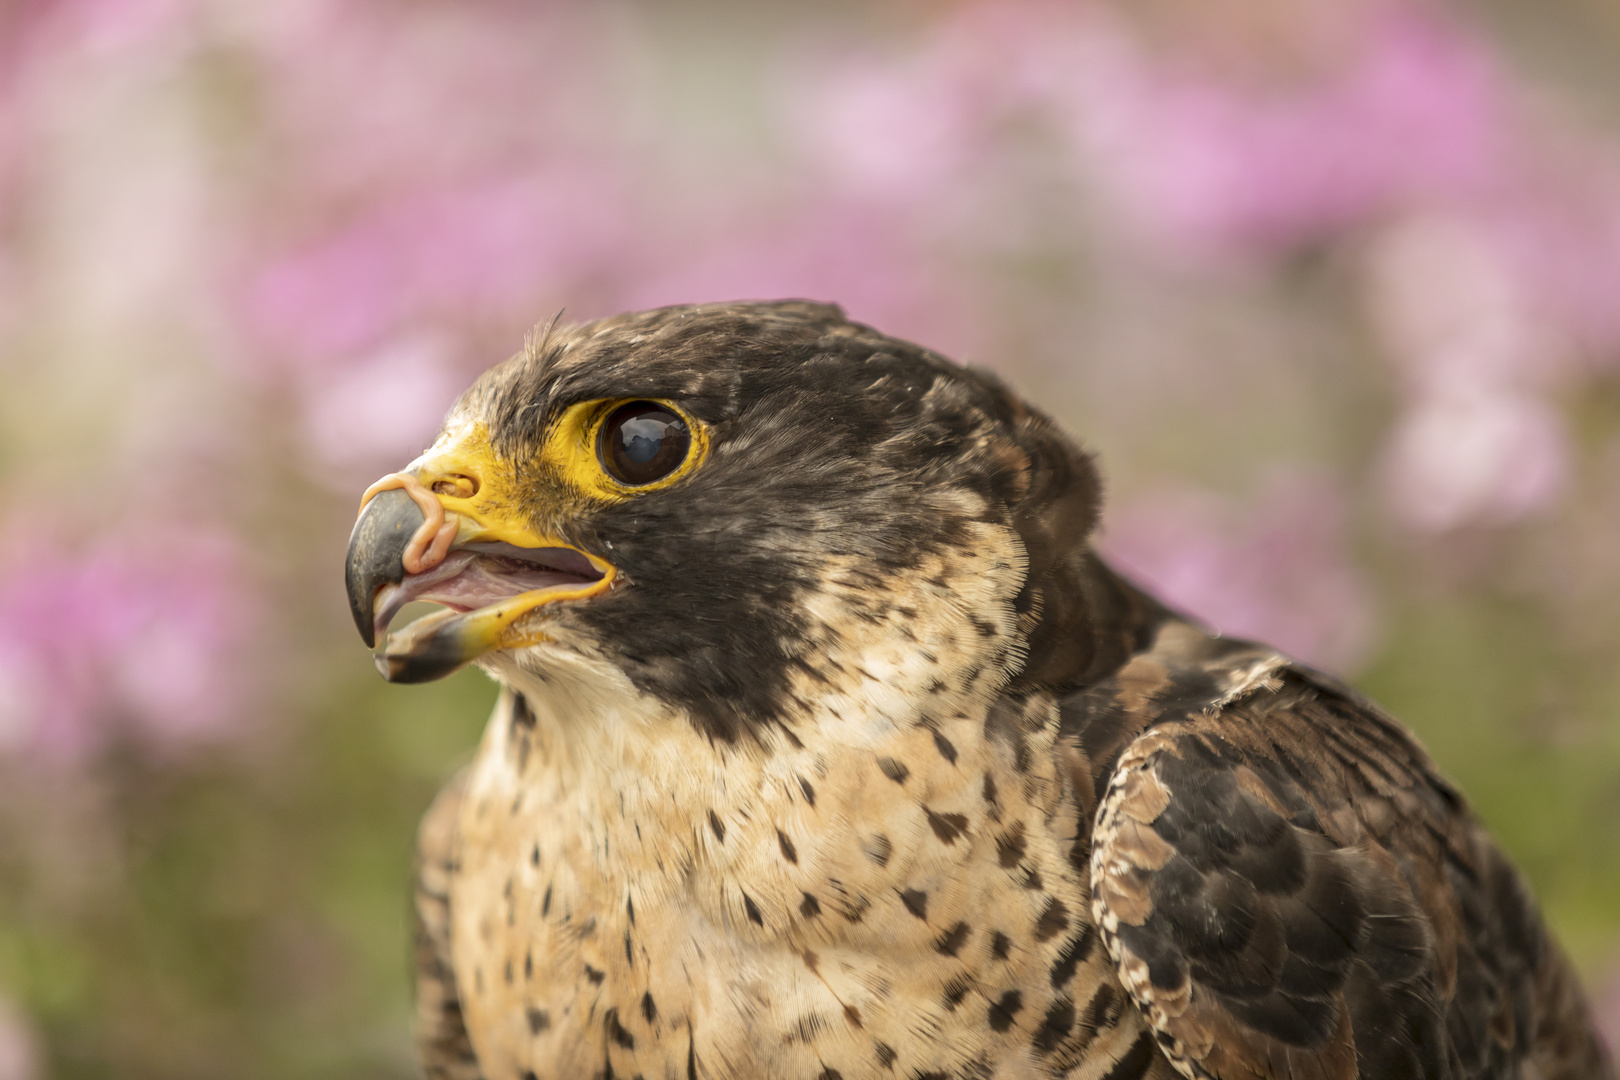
1333, 287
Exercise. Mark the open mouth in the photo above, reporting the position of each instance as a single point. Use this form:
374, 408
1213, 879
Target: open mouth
487, 584
481, 575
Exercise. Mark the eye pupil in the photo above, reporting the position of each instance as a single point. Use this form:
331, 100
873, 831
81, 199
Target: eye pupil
642, 442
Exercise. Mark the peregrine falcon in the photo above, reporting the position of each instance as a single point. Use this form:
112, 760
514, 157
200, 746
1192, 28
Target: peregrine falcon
828, 749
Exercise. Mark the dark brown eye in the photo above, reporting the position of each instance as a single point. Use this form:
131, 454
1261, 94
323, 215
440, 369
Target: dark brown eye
642, 442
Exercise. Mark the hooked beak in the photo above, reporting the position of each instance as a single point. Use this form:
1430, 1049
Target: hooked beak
444, 531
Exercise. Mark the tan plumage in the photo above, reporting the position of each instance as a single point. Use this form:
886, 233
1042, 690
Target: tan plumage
863, 765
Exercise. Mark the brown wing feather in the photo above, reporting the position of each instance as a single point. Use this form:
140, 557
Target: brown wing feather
1290, 891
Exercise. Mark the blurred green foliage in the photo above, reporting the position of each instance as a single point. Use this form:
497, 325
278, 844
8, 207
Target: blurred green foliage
260, 919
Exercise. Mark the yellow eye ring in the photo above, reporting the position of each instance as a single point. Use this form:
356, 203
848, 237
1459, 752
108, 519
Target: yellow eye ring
576, 445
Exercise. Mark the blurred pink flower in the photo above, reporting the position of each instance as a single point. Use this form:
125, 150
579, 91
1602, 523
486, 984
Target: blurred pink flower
477, 247
373, 415
364, 97
1418, 110
13, 158
440, 169
51, 55
1560, 232
1275, 568
1208, 164
1476, 442
891, 129
1474, 456
138, 637
1454, 310
901, 124
42, 32
1606, 1011
938, 129
846, 252
19, 1044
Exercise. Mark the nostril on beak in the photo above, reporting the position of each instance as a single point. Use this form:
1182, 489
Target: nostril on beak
456, 486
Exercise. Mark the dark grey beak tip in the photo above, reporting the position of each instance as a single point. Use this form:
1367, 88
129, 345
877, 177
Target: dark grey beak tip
376, 550
416, 669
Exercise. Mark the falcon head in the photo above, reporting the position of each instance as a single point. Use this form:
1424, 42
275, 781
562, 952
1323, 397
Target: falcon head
751, 512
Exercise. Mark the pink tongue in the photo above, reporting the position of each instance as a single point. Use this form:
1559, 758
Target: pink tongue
487, 581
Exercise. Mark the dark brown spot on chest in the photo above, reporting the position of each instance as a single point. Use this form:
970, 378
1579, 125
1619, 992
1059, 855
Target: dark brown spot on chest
1002, 1011
946, 826
1054, 919
1055, 1026
957, 989
616, 1031
893, 769
1010, 846
951, 941
1074, 952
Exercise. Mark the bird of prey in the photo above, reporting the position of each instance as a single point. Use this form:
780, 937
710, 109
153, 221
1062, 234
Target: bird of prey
828, 749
